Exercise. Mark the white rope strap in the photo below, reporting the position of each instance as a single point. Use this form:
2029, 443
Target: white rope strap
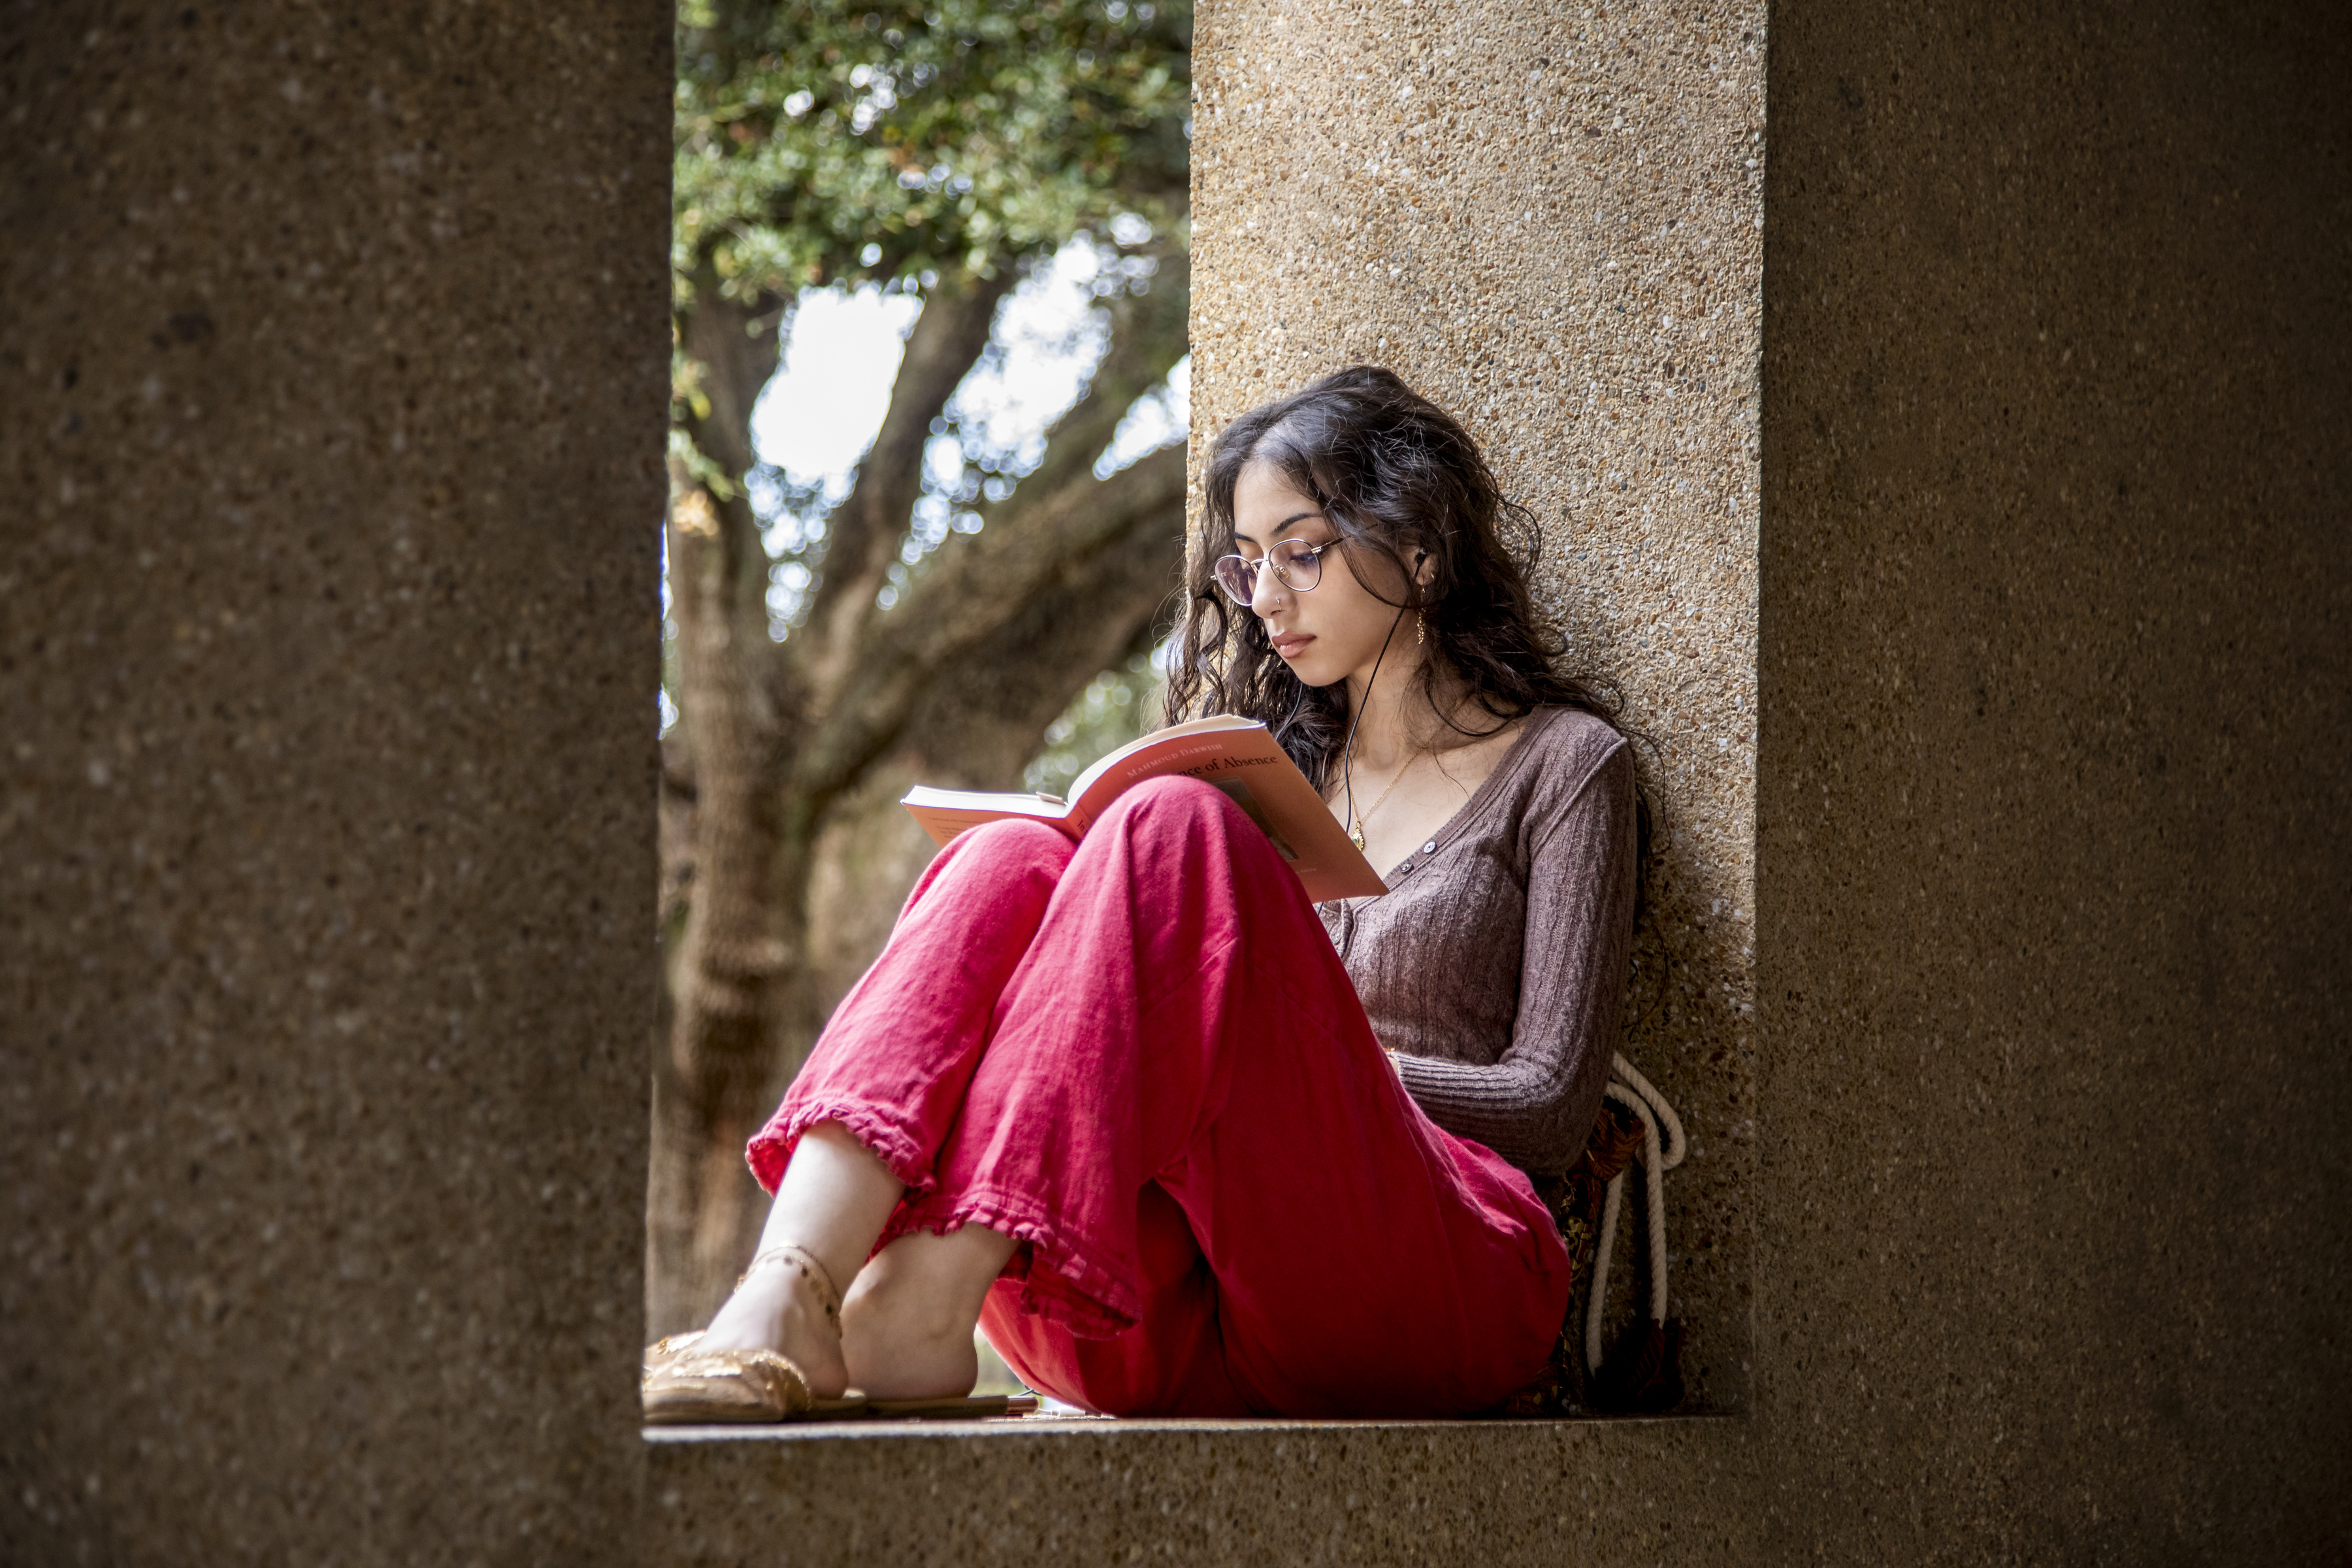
1662, 1147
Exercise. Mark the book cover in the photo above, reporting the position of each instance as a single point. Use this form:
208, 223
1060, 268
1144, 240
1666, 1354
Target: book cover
1237, 756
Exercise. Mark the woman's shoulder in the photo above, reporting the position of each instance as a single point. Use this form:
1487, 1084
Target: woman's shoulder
1559, 753
1579, 769
1568, 745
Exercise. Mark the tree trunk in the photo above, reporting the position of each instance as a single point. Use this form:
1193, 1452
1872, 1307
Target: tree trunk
793, 754
734, 969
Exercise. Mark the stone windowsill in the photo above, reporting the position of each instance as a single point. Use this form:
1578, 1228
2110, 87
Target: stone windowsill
1102, 1426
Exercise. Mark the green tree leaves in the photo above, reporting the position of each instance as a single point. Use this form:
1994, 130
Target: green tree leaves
878, 141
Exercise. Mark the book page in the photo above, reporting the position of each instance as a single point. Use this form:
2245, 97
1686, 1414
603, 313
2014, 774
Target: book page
944, 812
1085, 781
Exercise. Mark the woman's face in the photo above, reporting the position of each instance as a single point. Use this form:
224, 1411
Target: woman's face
1333, 630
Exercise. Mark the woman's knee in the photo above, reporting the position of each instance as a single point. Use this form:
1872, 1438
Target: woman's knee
1013, 843
1171, 802
1014, 858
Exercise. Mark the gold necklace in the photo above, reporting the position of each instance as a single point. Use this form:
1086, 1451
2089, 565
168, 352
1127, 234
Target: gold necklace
1356, 835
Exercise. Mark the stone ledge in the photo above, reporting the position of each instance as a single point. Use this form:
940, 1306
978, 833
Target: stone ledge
1668, 1490
1030, 1426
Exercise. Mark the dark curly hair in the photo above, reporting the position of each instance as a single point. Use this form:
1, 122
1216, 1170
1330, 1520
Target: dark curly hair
1395, 474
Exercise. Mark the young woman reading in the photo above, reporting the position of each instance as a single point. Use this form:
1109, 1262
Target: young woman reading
1183, 1144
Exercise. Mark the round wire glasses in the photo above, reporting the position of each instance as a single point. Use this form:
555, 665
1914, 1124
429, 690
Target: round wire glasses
1297, 567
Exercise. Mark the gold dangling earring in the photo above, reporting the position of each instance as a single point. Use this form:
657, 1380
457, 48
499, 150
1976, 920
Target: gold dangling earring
1419, 635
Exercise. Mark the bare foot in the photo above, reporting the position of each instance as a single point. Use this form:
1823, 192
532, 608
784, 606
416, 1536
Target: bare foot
776, 1307
907, 1325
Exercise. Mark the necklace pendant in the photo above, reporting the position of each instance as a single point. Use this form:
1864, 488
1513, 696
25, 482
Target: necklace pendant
1356, 835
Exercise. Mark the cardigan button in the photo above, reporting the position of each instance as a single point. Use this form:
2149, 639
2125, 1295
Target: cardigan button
1430, 847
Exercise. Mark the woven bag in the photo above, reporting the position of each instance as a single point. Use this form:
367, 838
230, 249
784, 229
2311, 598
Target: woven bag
1643, 1374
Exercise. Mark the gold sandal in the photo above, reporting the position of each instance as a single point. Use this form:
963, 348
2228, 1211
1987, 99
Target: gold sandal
686, 1387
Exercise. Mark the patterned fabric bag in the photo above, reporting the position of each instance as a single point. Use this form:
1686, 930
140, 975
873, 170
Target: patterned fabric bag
1645, 1376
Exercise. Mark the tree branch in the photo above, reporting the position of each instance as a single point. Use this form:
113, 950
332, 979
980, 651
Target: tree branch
1059, 526
735, 350
865, 530
982, 715
1148, 337
981, 585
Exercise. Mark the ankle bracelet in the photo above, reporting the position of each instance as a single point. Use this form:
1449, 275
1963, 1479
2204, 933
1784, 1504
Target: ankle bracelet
811, 1269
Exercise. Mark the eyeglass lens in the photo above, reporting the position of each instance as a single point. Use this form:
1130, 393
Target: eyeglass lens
1296, 566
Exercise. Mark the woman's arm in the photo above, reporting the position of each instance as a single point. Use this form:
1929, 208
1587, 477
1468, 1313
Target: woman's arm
1535, 1104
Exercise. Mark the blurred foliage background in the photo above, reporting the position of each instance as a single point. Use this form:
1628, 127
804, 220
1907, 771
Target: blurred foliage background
1119, 705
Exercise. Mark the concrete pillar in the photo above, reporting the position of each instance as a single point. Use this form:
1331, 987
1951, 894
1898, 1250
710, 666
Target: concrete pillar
1549, 219
331, 371
2056, 669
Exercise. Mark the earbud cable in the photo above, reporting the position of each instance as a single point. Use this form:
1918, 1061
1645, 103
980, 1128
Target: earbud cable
1356, 719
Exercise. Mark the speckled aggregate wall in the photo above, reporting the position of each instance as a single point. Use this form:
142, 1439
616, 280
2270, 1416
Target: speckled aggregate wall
332, 359
2054, 961
1548, 219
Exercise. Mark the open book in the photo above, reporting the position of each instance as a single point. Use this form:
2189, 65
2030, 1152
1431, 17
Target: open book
1237, 755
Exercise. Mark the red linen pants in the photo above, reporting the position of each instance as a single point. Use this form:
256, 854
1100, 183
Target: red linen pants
1140, 1056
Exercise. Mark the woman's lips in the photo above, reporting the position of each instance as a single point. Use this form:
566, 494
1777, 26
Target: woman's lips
1289, 645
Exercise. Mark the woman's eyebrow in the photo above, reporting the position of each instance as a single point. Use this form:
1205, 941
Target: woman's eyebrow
1284, 523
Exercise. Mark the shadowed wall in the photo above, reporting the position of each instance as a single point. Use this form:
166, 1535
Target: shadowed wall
2056, 671
332, 370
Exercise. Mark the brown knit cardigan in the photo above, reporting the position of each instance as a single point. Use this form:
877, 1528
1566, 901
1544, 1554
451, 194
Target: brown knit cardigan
1495, 964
